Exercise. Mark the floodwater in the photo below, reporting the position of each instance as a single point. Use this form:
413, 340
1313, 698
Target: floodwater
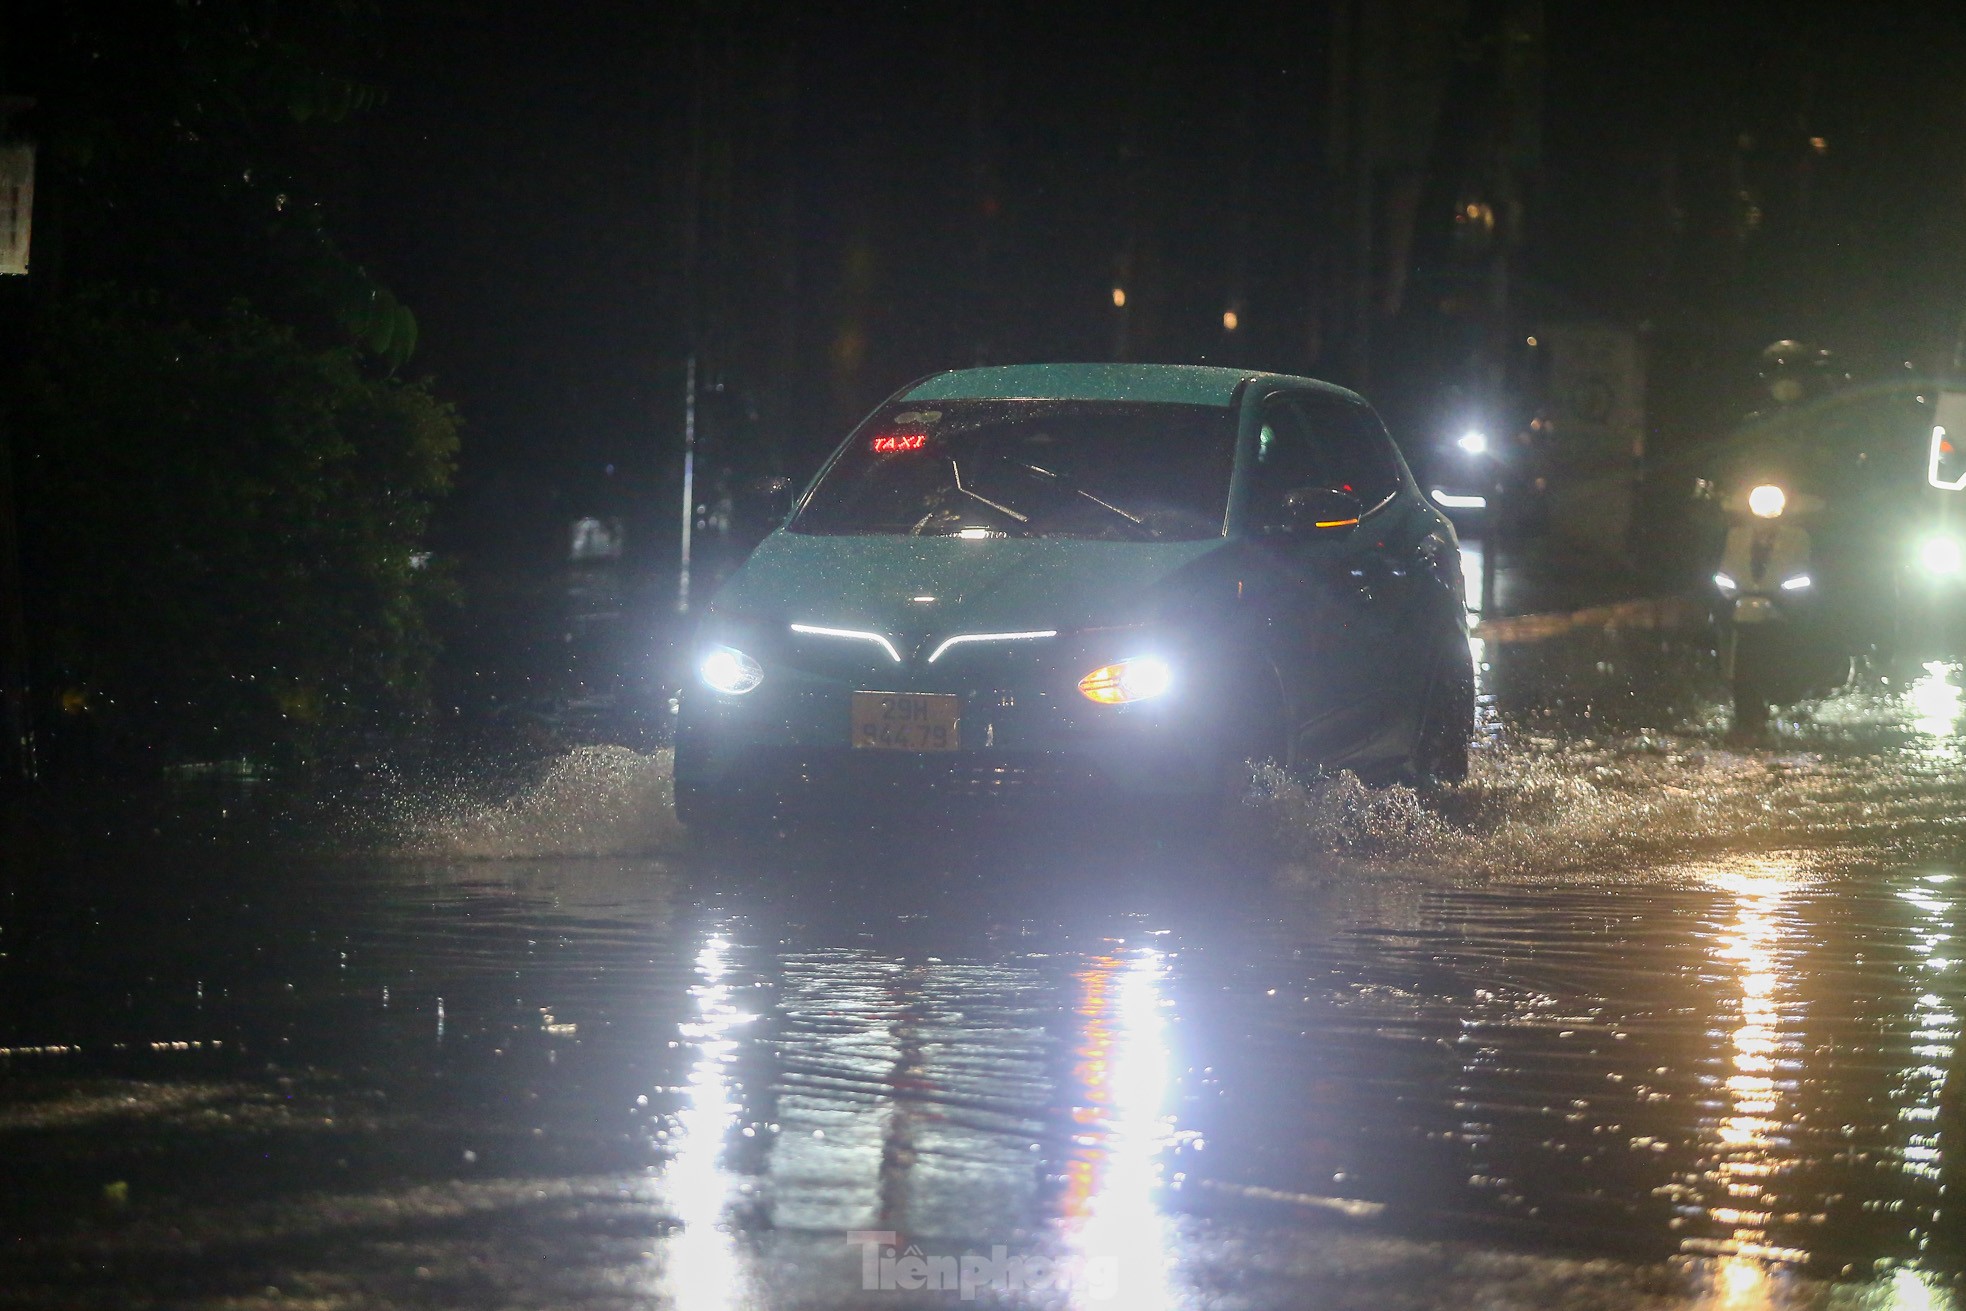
1638, 1017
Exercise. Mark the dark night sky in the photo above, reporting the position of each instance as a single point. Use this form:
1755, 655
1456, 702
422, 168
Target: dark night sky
963, 184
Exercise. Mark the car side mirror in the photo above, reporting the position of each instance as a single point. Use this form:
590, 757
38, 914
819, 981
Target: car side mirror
777, 494
1316, 512
771, 498
763, 505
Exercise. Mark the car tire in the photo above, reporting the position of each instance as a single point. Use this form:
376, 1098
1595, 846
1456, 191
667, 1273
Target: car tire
1447, 716
711, 813
1258, 734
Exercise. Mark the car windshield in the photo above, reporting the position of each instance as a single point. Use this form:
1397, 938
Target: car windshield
1105, 470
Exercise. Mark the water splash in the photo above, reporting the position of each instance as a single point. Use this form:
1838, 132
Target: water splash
593, 801
1540, 806
1876, 762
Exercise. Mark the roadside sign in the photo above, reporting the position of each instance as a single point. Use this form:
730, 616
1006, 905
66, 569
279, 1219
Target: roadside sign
1596, 413
16, 205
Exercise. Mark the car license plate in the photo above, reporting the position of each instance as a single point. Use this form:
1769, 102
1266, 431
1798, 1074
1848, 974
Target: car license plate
906, 721
1753, 610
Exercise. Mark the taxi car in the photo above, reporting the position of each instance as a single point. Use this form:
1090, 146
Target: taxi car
1125, 579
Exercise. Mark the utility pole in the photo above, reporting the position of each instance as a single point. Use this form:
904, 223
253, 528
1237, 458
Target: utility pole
17, 752
692, 242
17, 748
689, 480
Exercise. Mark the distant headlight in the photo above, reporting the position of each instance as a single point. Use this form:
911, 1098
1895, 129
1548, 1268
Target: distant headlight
1797, 583
729, 670
1129, 680
1726, 583
1768, 501
1941, 556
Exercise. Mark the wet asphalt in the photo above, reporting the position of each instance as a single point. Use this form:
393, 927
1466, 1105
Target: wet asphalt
1641, 1016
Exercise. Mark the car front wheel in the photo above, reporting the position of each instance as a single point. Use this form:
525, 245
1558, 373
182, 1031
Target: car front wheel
1440, 745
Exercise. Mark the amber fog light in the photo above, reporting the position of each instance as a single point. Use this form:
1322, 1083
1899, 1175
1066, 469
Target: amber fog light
1136, 679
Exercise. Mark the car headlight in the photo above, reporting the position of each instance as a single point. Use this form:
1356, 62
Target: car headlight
1726, 583
1797, 583
1136, 679
1942, 556
729, 670
1768, 501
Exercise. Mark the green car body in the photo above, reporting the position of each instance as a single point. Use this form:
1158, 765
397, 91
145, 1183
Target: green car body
1310, 624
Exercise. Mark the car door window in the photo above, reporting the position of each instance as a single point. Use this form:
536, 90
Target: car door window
1286, 460
1318, 443
1355, 454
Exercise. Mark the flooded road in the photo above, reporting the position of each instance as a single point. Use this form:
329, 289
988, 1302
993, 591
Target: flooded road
1638, 1017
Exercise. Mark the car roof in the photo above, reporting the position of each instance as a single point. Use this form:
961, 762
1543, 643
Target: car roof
1179, 384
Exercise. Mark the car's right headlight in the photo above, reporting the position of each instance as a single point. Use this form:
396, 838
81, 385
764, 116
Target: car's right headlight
1942, 556
729, 670
1135, 679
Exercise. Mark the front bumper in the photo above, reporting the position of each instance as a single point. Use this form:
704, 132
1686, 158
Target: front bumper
1024, 729
715, 754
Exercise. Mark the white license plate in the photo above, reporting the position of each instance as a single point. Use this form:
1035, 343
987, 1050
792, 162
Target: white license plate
1754, 610
906, 721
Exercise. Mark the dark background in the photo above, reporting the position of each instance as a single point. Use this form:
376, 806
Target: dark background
885, 190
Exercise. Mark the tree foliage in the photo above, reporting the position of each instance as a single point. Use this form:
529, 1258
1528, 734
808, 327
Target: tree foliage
225, 528
193, 148
224, 484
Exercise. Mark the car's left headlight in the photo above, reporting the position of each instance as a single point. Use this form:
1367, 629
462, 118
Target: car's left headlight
729, 670
1134, 679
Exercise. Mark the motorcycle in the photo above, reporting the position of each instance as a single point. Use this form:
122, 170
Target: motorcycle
1806, 590
1774, 647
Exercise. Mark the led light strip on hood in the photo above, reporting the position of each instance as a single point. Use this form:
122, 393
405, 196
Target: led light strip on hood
851, 634
988, 637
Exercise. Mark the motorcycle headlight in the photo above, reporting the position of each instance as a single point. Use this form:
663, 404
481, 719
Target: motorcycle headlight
1130, 680
729, 670
1942, 556
1768, 501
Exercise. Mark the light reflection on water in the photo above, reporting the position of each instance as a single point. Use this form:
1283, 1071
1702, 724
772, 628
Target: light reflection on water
701, 1268
1748, 1154
1112, 1221
899, 1081
874, 1064
1748, 1063
1934, 1027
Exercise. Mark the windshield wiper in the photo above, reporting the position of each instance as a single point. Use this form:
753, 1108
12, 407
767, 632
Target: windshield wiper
1068, 485
956, 469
